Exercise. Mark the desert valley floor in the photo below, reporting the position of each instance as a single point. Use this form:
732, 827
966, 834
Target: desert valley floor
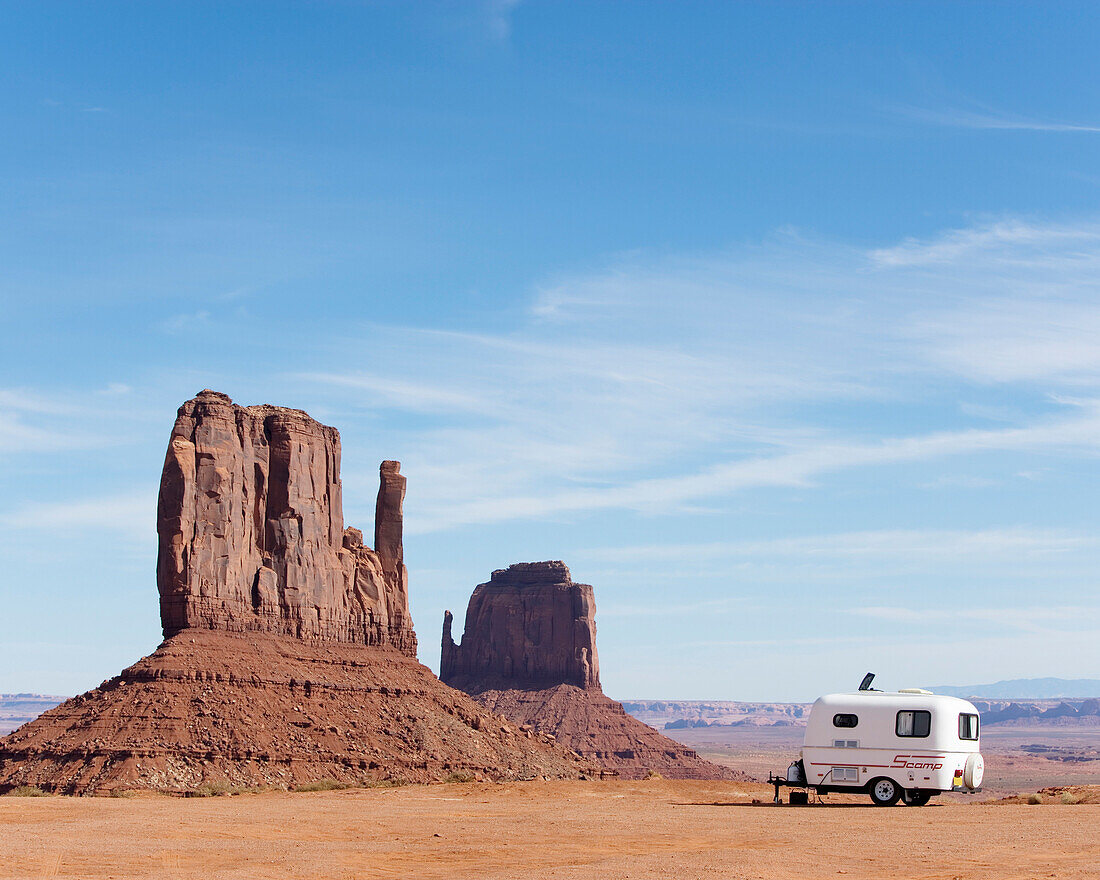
652, 828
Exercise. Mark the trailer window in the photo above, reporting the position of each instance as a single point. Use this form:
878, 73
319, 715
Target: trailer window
968, 726
917, 723
845, 720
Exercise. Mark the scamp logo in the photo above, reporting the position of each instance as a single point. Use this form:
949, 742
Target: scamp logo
916, 762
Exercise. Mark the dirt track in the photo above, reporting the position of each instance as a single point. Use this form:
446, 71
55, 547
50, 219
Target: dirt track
655, 828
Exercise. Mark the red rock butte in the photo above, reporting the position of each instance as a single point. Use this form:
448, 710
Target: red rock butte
289, 655
528, 652
252, 537
530, 626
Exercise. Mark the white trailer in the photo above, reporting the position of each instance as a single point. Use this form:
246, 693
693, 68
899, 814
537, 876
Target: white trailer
908, 745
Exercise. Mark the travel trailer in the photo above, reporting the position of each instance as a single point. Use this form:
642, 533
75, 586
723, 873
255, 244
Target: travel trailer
907, 745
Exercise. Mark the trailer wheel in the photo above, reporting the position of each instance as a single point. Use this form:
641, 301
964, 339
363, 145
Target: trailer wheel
884, 792
918, 798
973, 771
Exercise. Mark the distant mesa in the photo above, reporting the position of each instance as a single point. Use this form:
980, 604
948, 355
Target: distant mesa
688, 714
17, 709
1026, 689
289, 651
1061, 713
528, 652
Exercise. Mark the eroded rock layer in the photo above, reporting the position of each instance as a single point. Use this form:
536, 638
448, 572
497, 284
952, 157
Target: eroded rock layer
252, 537
528, 652
227, 710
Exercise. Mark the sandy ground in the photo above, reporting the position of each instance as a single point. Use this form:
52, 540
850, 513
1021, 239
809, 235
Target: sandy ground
609, 829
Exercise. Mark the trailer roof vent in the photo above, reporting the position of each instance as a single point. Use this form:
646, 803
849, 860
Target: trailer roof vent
914, 691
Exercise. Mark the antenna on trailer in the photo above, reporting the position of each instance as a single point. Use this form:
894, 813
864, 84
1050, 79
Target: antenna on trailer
865, 685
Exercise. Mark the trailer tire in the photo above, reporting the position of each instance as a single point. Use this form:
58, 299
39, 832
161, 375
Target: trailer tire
974, 771
884, 791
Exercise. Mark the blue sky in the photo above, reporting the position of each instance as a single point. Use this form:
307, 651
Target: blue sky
779, 323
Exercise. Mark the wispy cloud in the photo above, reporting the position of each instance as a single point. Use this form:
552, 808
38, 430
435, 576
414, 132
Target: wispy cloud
1043, 619
951, 545
404, 395
186, 323
670, 609
33, 421
17, 436
498, 17
662, 383
132, 513
1008, 244
795, 469
74, 105
990, 120
960, 481
29, 401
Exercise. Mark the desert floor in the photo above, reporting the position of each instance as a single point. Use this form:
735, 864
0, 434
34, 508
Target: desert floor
608, 829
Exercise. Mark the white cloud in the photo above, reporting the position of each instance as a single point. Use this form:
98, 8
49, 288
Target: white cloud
79, 107
498, 17
34, 421
133, 514
992, 120
1007, 301
403, 395
1019, 342
1045, 619
793, 469
1007, 544
186, 323
658, 384
1013, 244
27, 401
960, 481
677, 609
17, 436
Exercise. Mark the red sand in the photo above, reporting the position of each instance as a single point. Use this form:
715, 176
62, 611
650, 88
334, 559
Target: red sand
608, 829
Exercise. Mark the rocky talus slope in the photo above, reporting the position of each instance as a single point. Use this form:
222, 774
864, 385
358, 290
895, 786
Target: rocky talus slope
528, 652
218, 708
289, 652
